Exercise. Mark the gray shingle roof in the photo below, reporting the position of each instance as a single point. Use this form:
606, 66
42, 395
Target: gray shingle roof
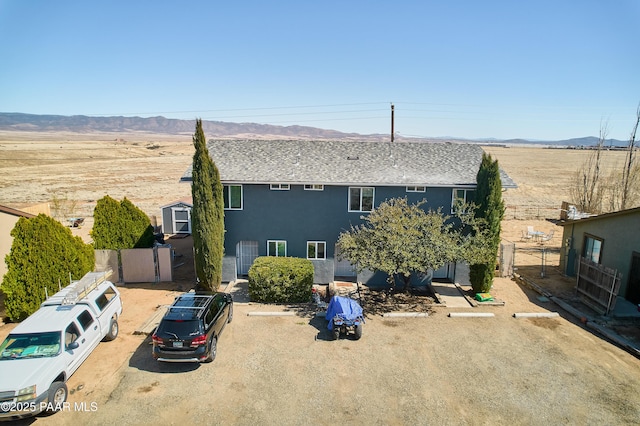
347, 162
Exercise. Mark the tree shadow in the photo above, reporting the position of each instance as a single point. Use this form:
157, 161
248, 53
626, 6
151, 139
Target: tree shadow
381, 301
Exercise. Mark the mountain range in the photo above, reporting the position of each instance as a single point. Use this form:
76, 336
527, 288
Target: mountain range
220, 129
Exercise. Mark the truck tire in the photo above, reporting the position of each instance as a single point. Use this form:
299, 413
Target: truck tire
113, 330
57, 395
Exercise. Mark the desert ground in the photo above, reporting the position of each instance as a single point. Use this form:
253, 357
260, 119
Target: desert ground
283, 370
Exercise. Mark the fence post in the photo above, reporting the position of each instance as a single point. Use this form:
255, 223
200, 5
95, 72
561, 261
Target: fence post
613, 286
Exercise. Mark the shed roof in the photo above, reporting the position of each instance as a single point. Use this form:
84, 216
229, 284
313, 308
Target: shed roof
347, 162
604, 216
187, 201
15, 212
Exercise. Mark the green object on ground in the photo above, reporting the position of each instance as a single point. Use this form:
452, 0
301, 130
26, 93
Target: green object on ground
484, 297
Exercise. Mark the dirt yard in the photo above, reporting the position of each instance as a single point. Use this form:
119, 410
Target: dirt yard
284, 370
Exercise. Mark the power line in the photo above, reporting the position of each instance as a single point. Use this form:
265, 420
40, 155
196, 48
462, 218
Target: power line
240, 109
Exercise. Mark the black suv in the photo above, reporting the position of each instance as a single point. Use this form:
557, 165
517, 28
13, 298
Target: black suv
189, 330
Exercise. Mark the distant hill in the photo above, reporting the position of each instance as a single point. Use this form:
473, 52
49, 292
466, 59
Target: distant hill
162, 125
220, 129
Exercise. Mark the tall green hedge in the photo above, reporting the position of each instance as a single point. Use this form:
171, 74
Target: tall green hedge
44, 254
207, 215
120, 225
280, 280
490, 207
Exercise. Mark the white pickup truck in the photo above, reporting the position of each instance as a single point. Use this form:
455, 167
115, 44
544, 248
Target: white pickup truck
42, 352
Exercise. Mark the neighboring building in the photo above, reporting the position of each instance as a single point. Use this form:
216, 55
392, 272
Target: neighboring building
294, 198
8, 219
610, 239
176, 217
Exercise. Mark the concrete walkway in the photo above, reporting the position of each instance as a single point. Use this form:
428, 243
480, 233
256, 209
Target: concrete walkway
239, 290
450, 295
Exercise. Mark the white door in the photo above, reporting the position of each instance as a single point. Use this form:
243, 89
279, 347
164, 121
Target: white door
343, 268
246, 253
181, 217
85, 331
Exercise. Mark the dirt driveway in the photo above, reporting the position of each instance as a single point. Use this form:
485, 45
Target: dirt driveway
434, 370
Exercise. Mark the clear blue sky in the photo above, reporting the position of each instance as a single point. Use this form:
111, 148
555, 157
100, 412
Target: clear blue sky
476, 69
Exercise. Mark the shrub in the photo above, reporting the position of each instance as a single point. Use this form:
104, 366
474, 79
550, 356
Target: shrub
120, 225
280, 280
44, 254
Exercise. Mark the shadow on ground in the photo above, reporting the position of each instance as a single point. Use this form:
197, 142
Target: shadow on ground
143, 360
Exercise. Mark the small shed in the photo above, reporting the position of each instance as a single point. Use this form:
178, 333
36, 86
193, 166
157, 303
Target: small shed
176, 217
611, 240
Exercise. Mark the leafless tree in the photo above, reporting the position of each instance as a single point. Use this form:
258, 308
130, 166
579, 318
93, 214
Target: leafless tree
628, 175
62, 207
587, 189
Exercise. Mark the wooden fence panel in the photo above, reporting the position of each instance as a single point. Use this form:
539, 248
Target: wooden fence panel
597, 286
138, 266
143, 265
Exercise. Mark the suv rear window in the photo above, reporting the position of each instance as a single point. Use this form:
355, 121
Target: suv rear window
182, 329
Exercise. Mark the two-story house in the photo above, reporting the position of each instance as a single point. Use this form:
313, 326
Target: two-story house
294, 198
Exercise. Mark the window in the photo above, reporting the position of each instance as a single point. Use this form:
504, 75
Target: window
361, 199
181, 219
71, 334
461, 196
103, 300
232, 197
416, 189
280, 187
276, 248
592, 248
316, 250
314, 187
211, 314
85, 319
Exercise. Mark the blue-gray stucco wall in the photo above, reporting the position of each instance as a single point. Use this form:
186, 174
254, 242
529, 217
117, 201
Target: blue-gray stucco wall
297, 215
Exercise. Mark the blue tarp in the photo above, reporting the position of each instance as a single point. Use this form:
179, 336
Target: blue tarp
349, 308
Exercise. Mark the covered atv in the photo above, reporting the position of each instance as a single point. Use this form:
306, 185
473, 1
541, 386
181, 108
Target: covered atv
345, 316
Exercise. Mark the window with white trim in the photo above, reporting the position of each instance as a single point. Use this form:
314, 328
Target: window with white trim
461, 196
361, 198
592, 248
316, 250
310, 187
276, 248
416, 189
280, 187
232, 195
181, 217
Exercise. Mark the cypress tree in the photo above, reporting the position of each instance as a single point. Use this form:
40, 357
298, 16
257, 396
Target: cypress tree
490, 207
140, 231
120, 225
207, 215
44, 254
105, 223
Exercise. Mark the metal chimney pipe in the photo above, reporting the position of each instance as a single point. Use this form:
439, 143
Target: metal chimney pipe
392, 131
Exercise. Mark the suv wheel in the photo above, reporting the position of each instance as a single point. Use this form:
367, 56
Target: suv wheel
212, 350
230, 314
